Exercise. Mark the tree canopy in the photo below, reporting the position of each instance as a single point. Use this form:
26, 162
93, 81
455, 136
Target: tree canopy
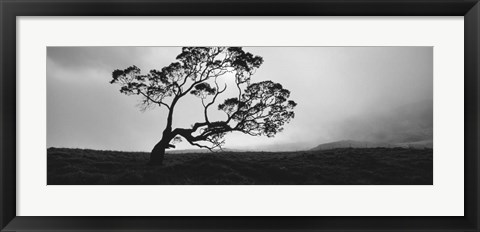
260, 108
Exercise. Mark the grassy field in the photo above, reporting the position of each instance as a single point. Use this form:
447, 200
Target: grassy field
343, 166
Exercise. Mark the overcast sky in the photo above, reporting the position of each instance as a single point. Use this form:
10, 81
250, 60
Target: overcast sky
361, 93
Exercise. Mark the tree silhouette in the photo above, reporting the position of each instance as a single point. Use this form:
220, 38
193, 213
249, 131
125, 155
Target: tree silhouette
259, 108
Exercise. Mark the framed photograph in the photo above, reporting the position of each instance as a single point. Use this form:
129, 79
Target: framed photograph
248, 116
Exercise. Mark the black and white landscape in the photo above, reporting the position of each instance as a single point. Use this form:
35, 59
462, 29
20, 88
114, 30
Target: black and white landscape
240, 115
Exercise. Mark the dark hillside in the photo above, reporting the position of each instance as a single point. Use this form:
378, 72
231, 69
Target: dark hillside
344, 166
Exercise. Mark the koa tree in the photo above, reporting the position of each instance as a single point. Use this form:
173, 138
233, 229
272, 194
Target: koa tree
260, 108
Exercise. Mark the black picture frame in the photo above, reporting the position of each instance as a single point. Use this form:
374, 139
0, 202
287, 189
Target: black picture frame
9, 9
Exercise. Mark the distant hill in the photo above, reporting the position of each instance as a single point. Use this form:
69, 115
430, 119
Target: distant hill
365, 144
349, 144
417, 145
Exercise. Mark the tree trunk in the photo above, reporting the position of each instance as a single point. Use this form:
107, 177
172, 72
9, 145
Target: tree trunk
158, 153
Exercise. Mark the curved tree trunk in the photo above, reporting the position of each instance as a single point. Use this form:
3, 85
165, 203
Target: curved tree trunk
158, 153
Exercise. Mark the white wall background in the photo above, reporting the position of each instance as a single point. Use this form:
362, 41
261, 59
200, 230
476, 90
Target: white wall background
445, 197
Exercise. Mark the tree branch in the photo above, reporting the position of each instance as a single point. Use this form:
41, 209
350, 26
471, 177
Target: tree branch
150, 99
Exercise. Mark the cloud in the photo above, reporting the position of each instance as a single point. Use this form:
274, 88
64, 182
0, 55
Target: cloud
342, 93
